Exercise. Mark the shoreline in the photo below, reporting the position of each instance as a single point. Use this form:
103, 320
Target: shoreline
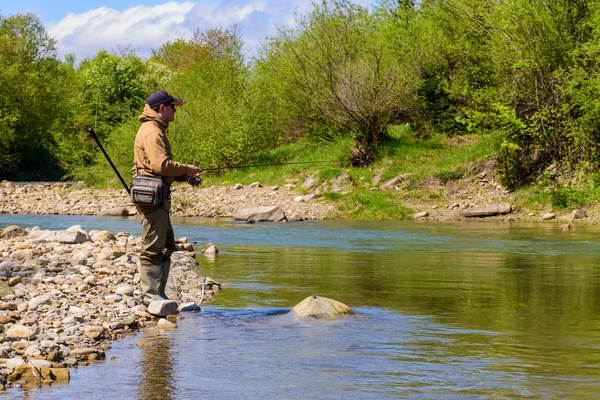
226, 201
65, 296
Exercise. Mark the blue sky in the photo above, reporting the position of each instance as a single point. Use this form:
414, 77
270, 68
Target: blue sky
83, 27
54, 11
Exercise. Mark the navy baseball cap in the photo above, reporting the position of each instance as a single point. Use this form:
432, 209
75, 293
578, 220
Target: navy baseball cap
161, 97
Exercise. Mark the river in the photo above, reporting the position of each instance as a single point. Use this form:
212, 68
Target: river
447, 310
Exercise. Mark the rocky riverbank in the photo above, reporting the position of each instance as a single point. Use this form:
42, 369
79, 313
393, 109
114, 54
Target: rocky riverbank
476, 198
186, 201
65, 295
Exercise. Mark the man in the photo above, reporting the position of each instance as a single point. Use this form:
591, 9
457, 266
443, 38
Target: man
153, 157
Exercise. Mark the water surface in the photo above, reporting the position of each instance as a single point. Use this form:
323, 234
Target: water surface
470, 310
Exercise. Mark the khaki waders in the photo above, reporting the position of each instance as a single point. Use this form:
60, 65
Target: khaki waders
158, 242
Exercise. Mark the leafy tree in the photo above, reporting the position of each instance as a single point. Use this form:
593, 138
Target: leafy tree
114, 88
331, 70
30, 98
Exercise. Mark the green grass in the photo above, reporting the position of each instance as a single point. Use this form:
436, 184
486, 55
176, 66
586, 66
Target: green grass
367, 205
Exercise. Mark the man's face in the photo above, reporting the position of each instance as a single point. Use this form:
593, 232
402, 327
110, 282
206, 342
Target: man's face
167, 112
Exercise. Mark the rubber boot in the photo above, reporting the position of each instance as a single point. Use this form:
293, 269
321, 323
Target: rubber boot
164, 279
150, 282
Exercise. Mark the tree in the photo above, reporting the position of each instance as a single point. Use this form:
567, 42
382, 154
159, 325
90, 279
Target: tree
30, 97
331, 70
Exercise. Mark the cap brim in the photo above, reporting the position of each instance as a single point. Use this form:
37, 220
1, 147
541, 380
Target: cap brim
178, 102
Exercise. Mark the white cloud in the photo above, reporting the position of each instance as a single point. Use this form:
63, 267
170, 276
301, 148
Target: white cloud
146, 28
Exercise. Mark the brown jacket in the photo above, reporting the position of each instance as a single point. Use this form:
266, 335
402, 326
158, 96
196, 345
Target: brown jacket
152, 151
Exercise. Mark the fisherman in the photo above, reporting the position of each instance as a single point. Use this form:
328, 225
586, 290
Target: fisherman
153, 157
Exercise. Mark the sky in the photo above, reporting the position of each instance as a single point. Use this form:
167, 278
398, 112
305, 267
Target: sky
83, 27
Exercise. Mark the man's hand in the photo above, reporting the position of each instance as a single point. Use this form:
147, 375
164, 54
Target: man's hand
192, 175
192, 171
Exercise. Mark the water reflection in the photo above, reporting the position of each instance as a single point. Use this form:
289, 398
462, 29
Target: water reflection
156, 380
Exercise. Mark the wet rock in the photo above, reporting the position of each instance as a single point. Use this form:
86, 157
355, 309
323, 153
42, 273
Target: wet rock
187, 307
320, 307
210, 249
83, 353
165, 324
48, 375
115, 212
564, 227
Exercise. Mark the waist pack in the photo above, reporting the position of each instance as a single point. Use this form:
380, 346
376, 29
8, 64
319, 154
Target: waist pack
149, 190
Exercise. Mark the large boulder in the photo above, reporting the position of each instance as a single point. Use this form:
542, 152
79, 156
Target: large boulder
162, 308
321, 307
487, 211
258, 214
26, 373
59, 236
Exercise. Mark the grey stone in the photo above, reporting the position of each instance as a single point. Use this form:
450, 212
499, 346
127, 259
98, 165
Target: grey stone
187, 307
487, 211
257, 214
162, 308
548, 216
39, 300
311, 181
37, 363
58, 236
578, 214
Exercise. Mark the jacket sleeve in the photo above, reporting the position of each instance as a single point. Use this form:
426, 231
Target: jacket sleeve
160, 160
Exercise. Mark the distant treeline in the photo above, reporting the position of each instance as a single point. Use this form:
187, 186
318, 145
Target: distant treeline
525, 68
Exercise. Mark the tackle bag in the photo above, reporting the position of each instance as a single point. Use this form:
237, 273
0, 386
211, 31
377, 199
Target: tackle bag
149, 190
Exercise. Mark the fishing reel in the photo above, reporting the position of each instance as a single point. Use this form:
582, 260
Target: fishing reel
195, 181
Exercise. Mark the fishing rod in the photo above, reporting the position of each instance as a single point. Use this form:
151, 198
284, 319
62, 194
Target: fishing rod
269, 165
95, 137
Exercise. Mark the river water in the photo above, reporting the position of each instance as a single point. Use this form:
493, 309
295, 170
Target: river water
447, 310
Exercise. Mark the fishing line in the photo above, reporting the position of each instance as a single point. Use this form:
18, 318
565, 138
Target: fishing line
270, 165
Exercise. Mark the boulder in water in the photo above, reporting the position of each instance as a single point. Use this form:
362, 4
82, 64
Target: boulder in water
321, 307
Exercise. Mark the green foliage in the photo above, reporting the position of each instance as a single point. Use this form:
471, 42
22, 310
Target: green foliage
329, 173
30, 95
368, 205
332, 70
219, 126
446, 176
114, 89
120, 150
